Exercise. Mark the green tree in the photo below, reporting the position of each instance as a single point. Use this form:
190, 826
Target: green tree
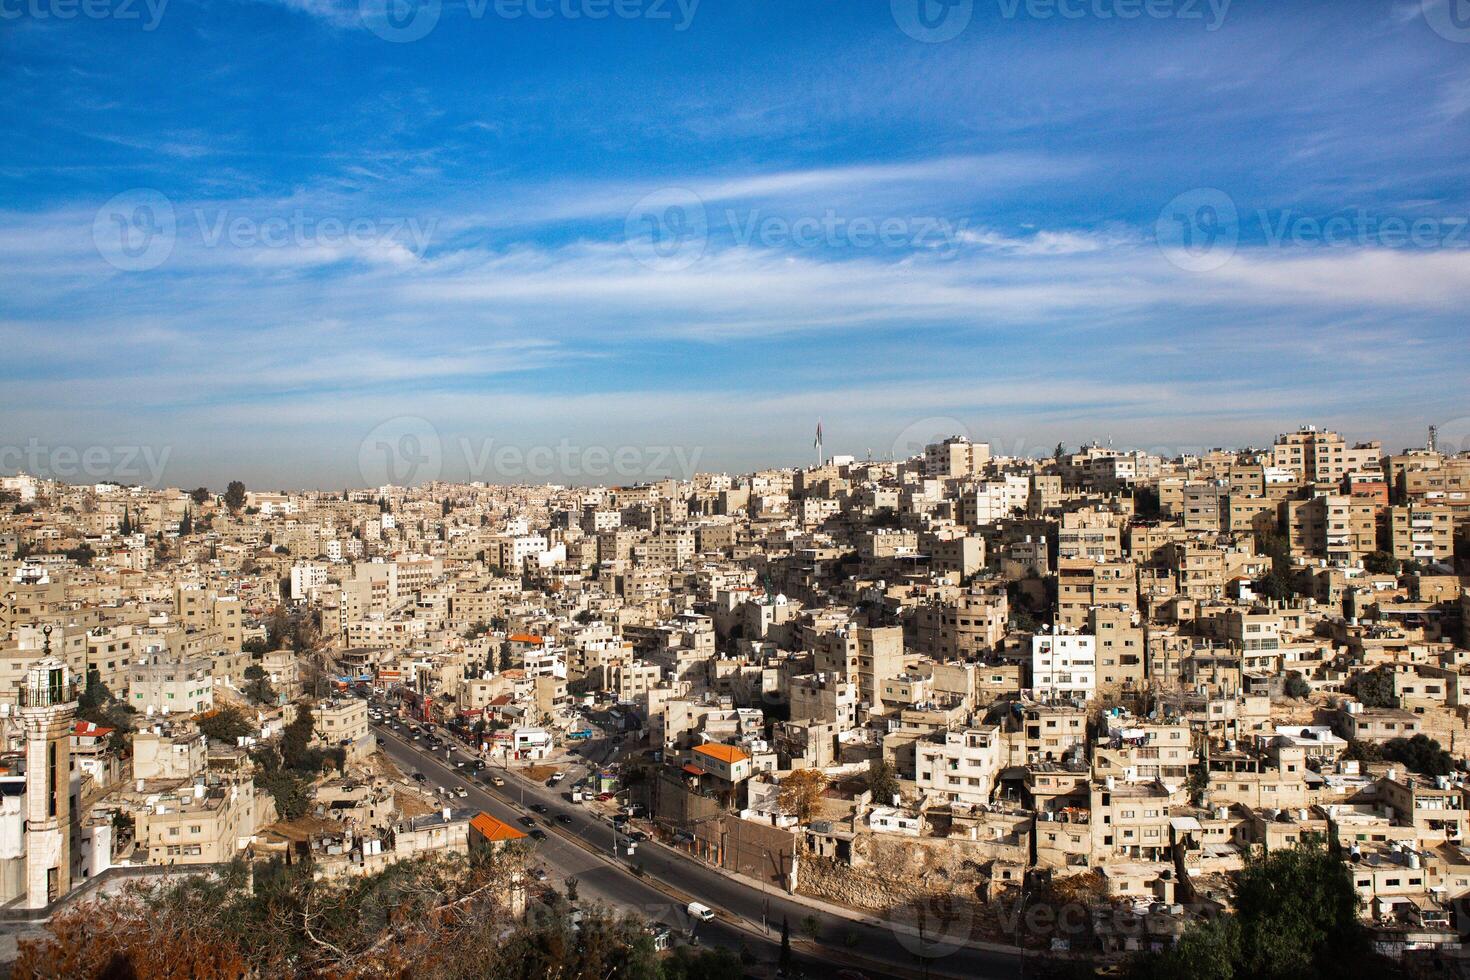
1380, 563
1296, 685
235, 495
1374, 688
882, 781
258, 685
1420, 754
1295, 918
199, 495
82, 554
224, 725
1205, 952
1297, 911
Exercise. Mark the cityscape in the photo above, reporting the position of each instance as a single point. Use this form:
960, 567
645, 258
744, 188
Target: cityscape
939, 714
734, 490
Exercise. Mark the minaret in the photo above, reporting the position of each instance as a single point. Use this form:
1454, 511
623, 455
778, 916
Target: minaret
47, 705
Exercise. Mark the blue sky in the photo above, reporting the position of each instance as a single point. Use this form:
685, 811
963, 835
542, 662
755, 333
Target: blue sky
295, 242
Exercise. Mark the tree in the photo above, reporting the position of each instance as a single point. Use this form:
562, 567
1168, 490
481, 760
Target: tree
801, 792
571, 883
1380, 563
97, 705
1296, 685
235, 495
258, 685
226, 725
1420, 754
1374, 688
882, 781
1205, 952
82, 554
186, 526
811, 925
1296, 916
199, 495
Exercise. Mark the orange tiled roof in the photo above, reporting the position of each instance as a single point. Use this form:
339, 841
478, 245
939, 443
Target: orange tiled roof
728, 754
525, 638
494, 830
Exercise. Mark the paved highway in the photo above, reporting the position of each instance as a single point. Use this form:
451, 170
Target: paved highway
693, 880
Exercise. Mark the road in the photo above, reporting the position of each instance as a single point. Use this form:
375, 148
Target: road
893, 948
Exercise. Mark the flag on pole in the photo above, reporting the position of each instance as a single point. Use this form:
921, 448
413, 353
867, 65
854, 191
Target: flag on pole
817, 443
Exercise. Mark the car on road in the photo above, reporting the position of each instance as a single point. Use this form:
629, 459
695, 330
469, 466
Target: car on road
538, 834
564, 818
700, 911
540, 874
461, 792
496, 781
526, 821
604, 797
418, 777
557, 777
638, 835
539, 807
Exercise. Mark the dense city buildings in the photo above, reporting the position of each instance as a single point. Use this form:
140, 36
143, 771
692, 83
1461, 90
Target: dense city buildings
1083, 667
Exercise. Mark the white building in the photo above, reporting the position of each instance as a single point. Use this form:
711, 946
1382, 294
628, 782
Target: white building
305, 577
959, 766
1063, 666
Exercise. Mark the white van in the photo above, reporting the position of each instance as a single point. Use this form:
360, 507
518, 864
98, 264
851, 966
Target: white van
701, 912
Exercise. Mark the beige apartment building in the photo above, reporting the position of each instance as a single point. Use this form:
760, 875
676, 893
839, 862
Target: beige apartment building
1119, 648
1083, 583
160, 683
959, 766
341, 721
970, 624
861, 654
1322, 456
198, 825
1421, 533
1332, 526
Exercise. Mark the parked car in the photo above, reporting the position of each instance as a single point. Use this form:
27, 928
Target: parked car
419, 777
539, 807
563, 818
496, 781
526, 821
538, 834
